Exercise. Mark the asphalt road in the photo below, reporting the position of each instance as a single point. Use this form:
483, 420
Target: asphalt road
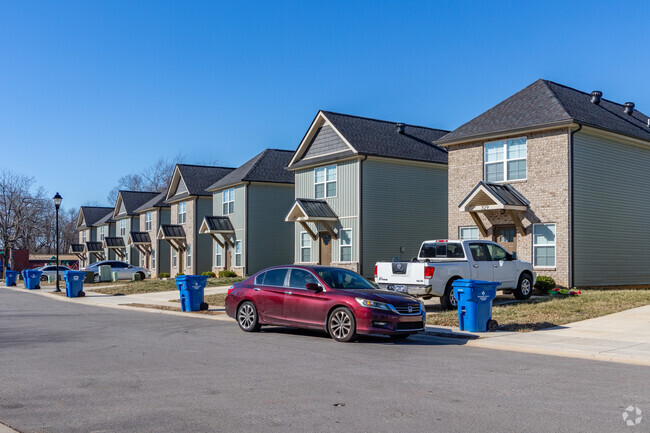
74, 368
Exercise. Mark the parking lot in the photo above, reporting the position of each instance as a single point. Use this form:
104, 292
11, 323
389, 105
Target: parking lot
69, 367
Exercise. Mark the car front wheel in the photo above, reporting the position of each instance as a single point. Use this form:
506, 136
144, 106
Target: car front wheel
341, 325
247, 317
524, 288
97, 279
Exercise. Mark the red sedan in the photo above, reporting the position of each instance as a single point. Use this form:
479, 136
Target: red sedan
336, 300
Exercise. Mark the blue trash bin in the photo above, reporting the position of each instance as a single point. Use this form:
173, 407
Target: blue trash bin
74, 283
475, 304
32, 279
10, 278
191, 289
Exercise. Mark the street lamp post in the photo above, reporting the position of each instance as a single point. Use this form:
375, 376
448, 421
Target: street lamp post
57, 202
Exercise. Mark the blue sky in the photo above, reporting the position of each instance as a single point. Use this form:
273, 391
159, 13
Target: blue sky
90, 91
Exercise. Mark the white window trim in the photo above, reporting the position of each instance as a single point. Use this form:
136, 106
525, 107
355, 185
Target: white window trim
122, 227
174, 259
183, 206
147, 221
153, 259
460, 229
101, 233
554, 245
238, 254
341, 246
325, 182
226, 201
301, 248
218, 252
504, 161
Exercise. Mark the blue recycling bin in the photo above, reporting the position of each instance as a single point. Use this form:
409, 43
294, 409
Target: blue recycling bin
10, 278
475, 304
32, 279
74, 283
191, 289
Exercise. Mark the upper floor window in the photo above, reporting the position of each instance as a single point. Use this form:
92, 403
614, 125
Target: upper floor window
83, 236
101, 233
122, 227
182, 212
229, 201
325, 181
505, 160
147, 221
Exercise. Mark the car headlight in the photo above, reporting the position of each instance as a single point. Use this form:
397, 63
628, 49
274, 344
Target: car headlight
373, 304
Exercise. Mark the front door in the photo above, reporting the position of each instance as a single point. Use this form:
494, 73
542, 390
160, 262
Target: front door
506, 236
325, 249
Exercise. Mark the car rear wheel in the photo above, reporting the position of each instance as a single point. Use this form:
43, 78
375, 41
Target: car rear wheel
43, 277
142, 276
448, 301
524, 288
247, 317
341, 325
97, 279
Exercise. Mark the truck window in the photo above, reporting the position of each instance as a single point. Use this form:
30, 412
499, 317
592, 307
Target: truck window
479, 252
496, 252
433, 250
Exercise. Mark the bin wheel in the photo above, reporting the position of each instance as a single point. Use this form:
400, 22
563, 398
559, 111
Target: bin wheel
37, 287
492, 325
204, 306
82, 294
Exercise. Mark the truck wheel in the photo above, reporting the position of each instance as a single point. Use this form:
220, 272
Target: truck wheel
97, 279
524, 287
447, 301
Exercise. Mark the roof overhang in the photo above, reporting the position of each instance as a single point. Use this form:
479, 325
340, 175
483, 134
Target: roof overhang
482, 199
506, 132
116, 244
174, 235
300, 214
141, 241
78, 250
95, 248
220, 229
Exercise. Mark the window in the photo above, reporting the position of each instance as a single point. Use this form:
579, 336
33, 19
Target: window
237, 253
147, 221
325, 181
468, 233
275, 277
260, 278
153, 259
497, 253
544, 245
122, 227
432, 250
505, 160
188, 256
174, 258
346, 245
305, 247
83, 236
479, 252
101, 233
182, 212
229, 201
300, 278
218, 255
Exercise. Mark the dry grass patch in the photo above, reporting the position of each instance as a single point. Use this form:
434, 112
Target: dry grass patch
552, 311
172, 308
155, 285
218, 300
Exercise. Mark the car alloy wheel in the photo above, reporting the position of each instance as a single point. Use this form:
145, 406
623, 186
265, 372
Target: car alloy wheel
342, 325
247, 317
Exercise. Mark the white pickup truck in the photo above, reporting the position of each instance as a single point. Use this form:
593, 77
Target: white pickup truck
440, 262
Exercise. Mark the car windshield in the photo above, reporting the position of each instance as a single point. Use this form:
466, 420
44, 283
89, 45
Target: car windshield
343, 279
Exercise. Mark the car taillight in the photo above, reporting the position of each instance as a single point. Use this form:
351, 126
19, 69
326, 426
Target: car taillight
230, 289
375, 271
428, 272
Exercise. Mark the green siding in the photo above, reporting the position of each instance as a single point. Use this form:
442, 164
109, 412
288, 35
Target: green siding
270, 238
202, 251
237, 219
402, 205
612, 208
163, 256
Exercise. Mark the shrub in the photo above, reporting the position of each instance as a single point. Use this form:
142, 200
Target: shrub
544, 284
180, 273
227, 274
209, 274
163, 275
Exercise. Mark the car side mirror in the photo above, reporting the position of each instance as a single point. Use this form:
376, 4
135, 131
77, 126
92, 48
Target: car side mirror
313, 287
512, 256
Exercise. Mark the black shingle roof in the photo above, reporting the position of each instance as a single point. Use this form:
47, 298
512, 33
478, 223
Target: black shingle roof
199, 177
545, 103
92, 214
140, 237
107, 219
134, 199
114, 242
219, 223
157, 201
505, 193
172, 231
381, 138
94, 246
268, 166
316, 208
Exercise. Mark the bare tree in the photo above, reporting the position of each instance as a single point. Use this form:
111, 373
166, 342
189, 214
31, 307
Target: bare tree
156, 177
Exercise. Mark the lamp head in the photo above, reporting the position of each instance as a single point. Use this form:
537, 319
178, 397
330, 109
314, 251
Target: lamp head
57, 200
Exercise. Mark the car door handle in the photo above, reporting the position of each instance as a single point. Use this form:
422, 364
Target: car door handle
257, 289
495, 265
476, 266
288, 293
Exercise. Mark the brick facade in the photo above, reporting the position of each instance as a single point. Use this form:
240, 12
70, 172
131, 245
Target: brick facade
189, 227
546, 188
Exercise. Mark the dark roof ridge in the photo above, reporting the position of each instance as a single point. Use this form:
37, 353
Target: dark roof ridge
383, 121
146, 192
580, 91
559, 101
262, 155
96, 207
204, 166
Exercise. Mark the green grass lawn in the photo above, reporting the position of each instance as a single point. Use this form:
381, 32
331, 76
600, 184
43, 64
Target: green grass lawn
153, 285
551, 311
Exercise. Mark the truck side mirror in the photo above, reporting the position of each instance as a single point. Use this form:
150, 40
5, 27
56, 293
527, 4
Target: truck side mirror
514, 255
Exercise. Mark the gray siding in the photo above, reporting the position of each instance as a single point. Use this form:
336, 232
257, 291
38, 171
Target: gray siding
345, 204
612, 208
402, 205
238, 220
163, 256
270, 238
202, 250
325, 141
